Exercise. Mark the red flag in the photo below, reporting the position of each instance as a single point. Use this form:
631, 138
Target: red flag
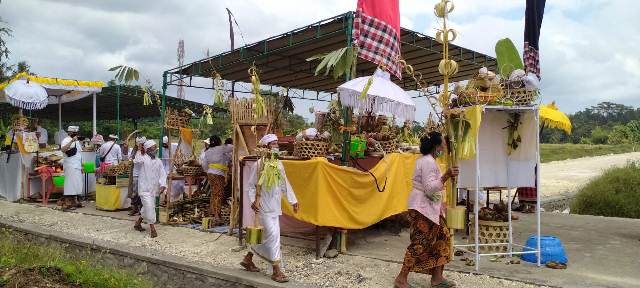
376, 32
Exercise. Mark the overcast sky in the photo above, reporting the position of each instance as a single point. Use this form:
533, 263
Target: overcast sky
588, 47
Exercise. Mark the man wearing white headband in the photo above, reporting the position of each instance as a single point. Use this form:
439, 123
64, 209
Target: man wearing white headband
72, 164
110, 151
136, 204
268, 209
152, 181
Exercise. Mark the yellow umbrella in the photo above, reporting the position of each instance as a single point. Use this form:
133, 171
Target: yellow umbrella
553, 118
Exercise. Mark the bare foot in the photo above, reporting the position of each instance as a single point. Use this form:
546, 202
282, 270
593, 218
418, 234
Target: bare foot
154, 234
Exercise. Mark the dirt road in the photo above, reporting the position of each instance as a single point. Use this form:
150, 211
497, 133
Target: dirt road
566, 177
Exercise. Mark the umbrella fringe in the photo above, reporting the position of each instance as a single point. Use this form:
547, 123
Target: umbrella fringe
28, 105
377, 104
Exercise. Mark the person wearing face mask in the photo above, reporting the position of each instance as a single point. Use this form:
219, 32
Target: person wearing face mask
152, 181
268, 208
430, 244
72, 165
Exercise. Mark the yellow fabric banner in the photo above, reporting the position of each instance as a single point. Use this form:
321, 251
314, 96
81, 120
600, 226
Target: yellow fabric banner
335, 196
467, 149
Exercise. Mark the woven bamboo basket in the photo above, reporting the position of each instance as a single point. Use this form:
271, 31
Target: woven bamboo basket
490, 232
516, 92
389, 146
176, 119
225, 215
192, 171
310, 149
474, 96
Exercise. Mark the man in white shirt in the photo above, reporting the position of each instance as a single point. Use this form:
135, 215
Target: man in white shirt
267, 205
110, 151
43, 136
152, 181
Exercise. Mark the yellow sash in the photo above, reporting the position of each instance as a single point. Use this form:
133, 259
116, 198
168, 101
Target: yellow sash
219, 167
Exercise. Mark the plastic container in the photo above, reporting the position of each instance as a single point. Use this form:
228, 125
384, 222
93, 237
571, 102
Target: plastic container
551, 249
358, 146
58, 181
89, 167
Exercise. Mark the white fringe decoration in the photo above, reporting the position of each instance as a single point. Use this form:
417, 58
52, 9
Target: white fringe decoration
375, 104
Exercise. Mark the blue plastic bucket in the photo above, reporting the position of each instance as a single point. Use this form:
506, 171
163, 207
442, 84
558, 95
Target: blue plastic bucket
551, 249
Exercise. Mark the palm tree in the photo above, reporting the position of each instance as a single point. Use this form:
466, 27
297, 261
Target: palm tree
125, 74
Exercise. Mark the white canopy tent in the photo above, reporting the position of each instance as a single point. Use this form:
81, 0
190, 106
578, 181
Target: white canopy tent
60, 91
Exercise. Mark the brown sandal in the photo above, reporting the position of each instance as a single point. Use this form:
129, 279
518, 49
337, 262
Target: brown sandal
249, 267
139, 228
556, 265
280, 278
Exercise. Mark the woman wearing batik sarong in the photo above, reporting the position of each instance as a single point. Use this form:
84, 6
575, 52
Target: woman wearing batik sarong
430, 247
215, 161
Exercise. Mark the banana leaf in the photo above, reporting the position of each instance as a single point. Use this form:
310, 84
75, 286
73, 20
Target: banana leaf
508, 57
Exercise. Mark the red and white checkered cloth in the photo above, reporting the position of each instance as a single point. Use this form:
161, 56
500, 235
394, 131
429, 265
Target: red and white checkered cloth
531, 59
376, 33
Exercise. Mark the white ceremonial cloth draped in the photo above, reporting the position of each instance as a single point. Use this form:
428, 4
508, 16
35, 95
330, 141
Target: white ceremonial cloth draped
497, 168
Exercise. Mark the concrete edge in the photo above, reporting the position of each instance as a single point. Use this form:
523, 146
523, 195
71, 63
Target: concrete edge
155, 257
466, 272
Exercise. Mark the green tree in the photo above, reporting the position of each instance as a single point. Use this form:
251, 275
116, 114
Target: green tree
599, 136
5, 68
621, 134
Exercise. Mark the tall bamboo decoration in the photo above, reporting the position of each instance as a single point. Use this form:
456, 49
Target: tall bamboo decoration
448, 68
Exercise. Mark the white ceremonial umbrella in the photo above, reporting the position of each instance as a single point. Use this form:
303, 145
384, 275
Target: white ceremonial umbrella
383, 96
26, 95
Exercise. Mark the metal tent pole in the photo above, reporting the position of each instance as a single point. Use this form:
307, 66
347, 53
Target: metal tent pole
162, 112
475, 206
118, 110
60, 114
537, 115
94, 129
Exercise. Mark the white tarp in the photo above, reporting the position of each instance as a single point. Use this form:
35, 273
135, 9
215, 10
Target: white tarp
497, 168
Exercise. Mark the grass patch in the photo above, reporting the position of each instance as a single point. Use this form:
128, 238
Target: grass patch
616, 193
17, 253
557, 152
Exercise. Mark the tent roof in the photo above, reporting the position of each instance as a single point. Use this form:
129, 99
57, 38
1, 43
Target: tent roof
131, 99
281, 59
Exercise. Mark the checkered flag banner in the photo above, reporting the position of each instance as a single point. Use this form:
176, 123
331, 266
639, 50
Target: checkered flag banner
376, 33
532, 23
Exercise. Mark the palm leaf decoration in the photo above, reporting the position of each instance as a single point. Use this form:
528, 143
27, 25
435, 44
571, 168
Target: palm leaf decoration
125, 74
341, 61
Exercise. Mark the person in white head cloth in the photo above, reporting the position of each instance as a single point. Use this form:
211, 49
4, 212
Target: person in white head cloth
136, 204
110, 151
268, 209
151, 183
72, 165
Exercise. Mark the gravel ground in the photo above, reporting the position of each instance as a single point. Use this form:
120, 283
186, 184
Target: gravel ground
301, 266
567, 176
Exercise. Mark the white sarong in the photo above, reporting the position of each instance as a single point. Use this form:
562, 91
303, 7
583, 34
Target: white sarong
148, 211
269, 250
73, 183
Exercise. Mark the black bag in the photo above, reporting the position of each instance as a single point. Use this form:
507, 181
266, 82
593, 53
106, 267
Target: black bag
102, 158
71, 152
